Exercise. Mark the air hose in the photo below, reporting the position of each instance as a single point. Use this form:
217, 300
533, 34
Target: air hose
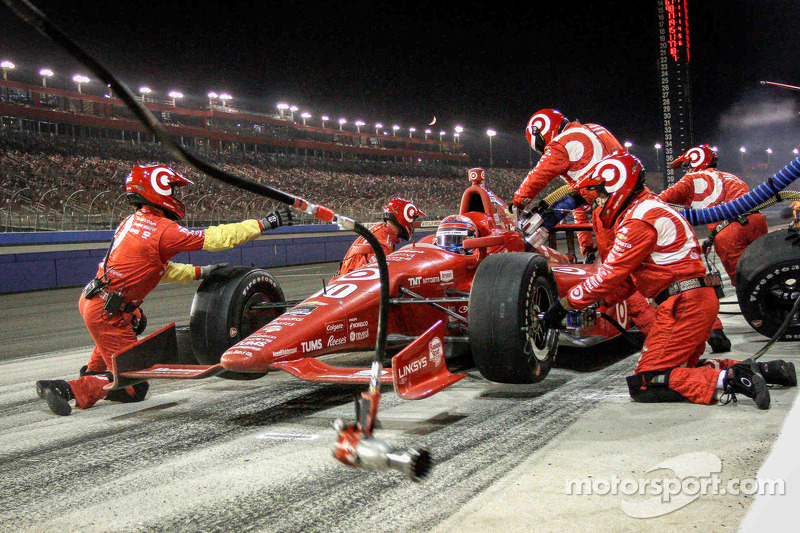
751, 201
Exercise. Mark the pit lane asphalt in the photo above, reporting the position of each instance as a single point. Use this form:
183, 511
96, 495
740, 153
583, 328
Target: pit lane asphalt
218, 455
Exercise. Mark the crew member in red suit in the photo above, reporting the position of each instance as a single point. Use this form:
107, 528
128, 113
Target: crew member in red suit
656, 252
705, 186
137, 260
398, 224
569, 150
639, 309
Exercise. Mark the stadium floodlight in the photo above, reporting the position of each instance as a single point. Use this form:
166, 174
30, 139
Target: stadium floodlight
742, 150
224, 97
342, 122
490, 133
7, 65
394, 129
657, 146
45, 73
282, 107
80, 79
358, 124
457, 134
442, 132
427, 132
324, 119
304, 116
144, 92
292, 109
627, 144
411, 130
175, 95
796, 151
769, 153
378, 126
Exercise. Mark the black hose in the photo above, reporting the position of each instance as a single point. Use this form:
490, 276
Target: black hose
628, 337
781, 330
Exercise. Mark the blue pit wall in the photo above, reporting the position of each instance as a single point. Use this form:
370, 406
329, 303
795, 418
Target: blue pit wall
60, 259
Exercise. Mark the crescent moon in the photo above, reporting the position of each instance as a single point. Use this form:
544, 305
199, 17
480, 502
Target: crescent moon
433, 121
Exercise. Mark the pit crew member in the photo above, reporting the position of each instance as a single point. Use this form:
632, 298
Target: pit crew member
705, 186
569, 150
136, 261
399, 216
656, 252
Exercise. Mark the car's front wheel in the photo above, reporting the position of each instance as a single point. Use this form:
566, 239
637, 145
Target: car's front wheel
508, 344
228, 307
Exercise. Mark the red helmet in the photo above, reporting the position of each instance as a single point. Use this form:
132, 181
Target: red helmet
620, 175
543, 128
453, 231
153, 185
697, 158
403, 213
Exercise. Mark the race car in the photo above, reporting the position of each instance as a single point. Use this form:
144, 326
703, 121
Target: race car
482, 305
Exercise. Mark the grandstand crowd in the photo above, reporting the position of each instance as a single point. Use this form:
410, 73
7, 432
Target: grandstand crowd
65, 183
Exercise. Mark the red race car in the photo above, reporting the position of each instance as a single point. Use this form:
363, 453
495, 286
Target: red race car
483, 303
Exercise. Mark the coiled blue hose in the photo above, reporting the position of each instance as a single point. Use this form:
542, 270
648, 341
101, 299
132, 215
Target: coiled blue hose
743, 204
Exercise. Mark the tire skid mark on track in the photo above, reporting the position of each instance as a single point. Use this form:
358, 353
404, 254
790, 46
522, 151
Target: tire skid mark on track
470, 454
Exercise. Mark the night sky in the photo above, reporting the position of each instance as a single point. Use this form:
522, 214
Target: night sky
477, 66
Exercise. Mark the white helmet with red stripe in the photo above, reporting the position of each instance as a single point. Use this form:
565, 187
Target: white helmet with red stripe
543, 127
697, 158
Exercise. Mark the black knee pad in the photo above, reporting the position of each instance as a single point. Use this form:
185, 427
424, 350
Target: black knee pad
652, 387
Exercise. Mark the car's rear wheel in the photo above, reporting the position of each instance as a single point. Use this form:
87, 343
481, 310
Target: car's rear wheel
508, 344
228, 307
768, 284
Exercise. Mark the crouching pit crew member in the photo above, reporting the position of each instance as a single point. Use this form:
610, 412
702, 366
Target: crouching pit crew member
399, 216
136, 261
657, 253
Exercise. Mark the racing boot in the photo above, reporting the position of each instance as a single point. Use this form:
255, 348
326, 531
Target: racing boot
778, 372
57, 393
743, 378
135, 393
719, 342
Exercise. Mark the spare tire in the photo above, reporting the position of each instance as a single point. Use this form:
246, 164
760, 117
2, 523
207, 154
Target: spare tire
768, 283
508, 290
225, 311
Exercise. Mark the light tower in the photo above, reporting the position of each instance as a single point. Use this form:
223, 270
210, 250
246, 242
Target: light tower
45, 73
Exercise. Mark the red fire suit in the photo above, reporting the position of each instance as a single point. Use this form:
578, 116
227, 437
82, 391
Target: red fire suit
653, 248
710, 187
360, 253
639, 310
140, 257
569, 156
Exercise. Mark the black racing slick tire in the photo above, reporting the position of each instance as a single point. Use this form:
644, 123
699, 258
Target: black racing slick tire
225, 311
508, 344
768, 284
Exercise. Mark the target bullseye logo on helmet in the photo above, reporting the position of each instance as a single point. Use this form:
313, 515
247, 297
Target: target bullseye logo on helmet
410, 212
695, 155
539, 122
614, 174
160, 180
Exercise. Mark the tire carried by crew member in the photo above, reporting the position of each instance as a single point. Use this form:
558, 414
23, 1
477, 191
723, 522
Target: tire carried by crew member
768, 283
226, 309
508, 344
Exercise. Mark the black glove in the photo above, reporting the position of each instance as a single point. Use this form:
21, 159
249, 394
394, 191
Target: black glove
139, 322
554, 316
707, 244
794, 236
282, 216
589, 256
207, 270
